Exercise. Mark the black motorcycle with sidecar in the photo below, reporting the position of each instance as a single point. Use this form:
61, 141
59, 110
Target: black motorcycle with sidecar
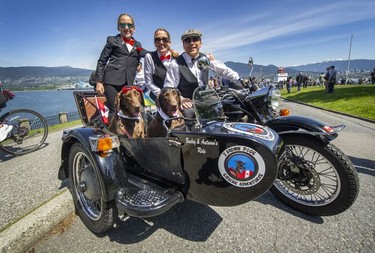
211, 161
114, 176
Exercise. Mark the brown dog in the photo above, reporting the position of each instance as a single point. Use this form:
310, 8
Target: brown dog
128, 119
169, 102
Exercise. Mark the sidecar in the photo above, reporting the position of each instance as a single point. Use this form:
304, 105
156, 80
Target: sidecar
210, 161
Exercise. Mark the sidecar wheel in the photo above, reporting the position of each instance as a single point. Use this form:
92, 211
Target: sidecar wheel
315, 178
87, 189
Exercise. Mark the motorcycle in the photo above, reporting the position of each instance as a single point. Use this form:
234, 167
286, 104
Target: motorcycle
314, 176
211, 161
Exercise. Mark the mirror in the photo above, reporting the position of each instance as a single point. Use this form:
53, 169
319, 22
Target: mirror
203, 63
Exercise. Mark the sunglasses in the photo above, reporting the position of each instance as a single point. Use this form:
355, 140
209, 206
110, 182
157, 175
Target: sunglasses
192, 39
165, 40
123, 25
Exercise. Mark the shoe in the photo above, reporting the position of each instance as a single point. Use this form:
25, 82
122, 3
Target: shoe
4, 131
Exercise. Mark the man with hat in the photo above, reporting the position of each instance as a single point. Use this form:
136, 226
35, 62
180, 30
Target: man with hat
184, 74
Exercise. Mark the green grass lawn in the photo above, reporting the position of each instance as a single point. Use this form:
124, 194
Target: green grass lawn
58, 127
357, 100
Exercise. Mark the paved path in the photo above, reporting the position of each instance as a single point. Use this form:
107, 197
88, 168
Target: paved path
30, 180
263, 225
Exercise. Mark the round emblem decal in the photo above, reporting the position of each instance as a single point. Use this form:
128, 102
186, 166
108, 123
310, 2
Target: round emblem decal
250, 129
241, 166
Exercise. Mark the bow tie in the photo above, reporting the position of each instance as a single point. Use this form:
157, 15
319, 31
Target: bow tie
166, 57
130, 42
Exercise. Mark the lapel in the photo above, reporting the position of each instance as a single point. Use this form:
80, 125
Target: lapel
125, 47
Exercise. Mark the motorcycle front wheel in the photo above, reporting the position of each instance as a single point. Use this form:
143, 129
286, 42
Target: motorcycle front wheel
314, 177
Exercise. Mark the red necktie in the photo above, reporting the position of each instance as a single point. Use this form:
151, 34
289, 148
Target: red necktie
130, 42
166, 57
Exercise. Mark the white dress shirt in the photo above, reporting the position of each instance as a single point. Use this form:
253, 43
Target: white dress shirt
149, 70
172, 78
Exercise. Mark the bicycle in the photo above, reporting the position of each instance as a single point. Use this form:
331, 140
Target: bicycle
30, 130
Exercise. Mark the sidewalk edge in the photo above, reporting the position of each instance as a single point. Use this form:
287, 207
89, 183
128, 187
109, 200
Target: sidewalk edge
26, 232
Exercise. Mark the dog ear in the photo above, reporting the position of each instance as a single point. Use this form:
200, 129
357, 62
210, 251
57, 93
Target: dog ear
178, 97
118, 101
160, 101
141, 100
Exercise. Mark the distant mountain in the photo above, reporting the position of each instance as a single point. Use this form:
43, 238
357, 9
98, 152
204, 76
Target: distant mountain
340, 65
38, 76
259, 70
356, 67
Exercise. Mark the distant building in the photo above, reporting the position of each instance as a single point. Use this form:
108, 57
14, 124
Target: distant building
281, 75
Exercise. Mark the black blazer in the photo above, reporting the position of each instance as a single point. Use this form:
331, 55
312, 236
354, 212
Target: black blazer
116, 65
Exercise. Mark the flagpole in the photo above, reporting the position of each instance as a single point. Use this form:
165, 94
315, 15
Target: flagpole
350, 50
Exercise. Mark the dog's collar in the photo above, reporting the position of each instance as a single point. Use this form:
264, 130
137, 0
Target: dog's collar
122, 115
163, 114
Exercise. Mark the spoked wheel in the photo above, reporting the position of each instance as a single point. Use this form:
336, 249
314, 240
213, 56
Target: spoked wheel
87, 188
30, 130
315, 178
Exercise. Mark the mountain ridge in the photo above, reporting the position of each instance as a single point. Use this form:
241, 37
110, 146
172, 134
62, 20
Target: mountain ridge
41, 76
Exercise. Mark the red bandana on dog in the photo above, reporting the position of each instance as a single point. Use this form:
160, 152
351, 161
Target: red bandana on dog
126, 89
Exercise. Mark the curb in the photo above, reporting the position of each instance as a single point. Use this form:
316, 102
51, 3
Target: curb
26, 232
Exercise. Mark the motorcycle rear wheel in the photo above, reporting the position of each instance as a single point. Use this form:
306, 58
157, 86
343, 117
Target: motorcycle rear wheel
314, 177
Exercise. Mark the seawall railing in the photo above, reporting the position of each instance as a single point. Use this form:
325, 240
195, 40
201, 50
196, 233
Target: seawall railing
61, 118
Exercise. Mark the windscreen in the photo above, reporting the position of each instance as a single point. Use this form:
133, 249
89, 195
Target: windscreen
207, 105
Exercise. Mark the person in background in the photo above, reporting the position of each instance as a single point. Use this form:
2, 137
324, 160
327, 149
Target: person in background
157, 62
305, 81
92, 81
321, 79
326, 76
185, 75
289, 83
299, 79
118, 61
4, 131
217, 82
373, 77
211, 82
331, 79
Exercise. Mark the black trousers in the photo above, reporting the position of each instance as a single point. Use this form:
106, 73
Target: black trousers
331, 86
110, 92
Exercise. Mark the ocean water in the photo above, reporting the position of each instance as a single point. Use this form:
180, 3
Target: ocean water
47, 103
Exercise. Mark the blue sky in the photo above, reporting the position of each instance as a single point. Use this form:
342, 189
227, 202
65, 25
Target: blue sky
284, 33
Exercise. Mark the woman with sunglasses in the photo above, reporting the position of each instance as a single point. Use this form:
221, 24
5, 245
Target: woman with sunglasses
118, 61
184, 74
157, 62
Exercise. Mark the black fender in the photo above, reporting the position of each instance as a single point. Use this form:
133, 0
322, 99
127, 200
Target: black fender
294, 124
112, 166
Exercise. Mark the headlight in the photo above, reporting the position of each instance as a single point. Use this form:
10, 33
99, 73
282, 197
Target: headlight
274, 97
